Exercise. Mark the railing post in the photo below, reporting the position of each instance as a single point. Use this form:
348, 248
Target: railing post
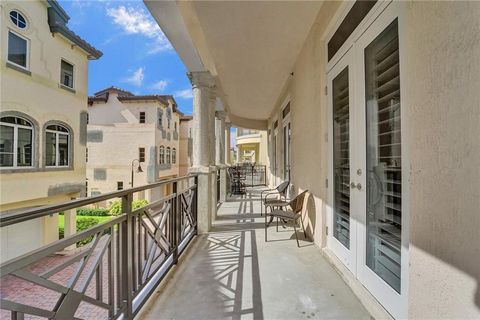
195, 204
177, 223
126, 256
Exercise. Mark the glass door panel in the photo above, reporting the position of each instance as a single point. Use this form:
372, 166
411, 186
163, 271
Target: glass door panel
341, 158
383, 157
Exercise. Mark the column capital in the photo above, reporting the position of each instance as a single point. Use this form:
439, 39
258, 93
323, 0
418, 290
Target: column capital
201, 79
221, 115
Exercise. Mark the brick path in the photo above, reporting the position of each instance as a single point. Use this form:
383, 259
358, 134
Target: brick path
18, 290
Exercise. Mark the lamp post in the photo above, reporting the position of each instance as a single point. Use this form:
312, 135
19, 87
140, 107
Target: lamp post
139, 169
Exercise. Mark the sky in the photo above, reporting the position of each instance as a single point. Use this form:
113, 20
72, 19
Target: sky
136, 54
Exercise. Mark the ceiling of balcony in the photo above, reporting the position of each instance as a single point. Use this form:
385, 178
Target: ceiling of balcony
250, 46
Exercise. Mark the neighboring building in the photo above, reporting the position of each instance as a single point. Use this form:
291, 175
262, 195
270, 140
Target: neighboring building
126, 131
44, 71
251, 146
185, 152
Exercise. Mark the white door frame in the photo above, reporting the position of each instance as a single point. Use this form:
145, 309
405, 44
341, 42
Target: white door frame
375, 22
346, 256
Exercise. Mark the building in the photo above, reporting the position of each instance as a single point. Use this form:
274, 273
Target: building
44, 72
185, 147
251, 146
380, 102
132, 140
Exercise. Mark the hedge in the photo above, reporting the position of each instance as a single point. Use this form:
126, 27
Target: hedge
83, 223
116, 207
100, 212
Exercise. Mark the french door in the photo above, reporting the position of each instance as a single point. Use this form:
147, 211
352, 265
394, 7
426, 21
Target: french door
368, 192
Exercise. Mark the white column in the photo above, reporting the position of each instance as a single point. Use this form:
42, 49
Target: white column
203, 156
228, 159
70, 225
220, 152
220, 137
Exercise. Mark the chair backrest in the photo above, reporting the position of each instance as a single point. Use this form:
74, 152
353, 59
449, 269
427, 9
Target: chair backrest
282, 187
297, 203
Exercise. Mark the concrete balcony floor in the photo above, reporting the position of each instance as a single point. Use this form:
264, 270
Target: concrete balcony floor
232, 273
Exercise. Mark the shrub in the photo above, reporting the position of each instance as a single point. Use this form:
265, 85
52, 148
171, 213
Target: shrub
99, 212
116, 206
84, 224
61, 232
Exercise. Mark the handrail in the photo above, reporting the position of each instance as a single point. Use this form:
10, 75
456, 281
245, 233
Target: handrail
9, 218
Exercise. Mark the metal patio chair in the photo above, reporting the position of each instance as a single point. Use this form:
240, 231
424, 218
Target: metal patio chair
289, 215
271, 197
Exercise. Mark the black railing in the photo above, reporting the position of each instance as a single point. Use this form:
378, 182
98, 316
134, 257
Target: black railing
218, 186
116, 272
255, 175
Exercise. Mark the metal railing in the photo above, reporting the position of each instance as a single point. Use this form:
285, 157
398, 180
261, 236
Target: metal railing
218, 185
116, 272
255, 175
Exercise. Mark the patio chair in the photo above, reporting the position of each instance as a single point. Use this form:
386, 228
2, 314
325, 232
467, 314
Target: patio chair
289, 215
270, 197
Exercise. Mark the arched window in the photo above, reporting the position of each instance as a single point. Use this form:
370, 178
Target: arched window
18, 19
168, 154
174, 155
16, 141
57, 147
161, 156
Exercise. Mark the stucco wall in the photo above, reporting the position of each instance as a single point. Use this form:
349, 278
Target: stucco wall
441, 66
442, 42
114, 137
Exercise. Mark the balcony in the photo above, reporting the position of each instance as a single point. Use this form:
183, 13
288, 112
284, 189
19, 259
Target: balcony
231, 272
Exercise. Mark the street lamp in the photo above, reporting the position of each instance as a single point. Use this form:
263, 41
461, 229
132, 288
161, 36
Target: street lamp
139, 169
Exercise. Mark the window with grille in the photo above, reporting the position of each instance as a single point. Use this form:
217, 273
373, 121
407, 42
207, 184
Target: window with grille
66, 74
142, 117
141, 154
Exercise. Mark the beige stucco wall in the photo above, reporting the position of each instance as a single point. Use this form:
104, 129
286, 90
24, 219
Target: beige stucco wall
121, 136
185, 146
441, 116
442, 42
39, 96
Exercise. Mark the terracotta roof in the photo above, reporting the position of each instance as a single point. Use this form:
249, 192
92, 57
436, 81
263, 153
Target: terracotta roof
125, 96
186, 118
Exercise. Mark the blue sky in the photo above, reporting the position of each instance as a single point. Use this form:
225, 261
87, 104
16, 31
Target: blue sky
136, 54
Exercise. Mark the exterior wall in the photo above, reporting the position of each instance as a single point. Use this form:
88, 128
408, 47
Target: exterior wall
443, 81
114, 137
252, 140
39, 96
440, 69
185, 154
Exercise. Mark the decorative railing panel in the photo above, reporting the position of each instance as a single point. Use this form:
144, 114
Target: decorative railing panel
114, 274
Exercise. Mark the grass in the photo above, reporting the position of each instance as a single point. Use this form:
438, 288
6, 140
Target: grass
61, 219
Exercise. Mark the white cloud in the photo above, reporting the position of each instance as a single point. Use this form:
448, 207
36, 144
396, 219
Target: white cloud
184, 94
159, 85
136, 78
137, 21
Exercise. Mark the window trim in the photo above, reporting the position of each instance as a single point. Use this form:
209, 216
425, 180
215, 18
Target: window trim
161, 155
168, 156
27, 55
139, 155
57, 154
18, 13
73, 74
71, 148
15, 143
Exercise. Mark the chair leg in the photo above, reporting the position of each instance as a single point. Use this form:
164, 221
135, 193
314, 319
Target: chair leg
303, 227
266, 226
296, 236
